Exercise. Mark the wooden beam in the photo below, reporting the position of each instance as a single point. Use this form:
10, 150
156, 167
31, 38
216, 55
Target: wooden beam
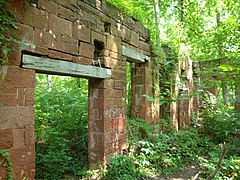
134, 55
42, 64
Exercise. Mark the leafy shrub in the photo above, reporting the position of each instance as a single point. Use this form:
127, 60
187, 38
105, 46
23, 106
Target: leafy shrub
61, 126
138, 129
170, 152
122, 167
219, 122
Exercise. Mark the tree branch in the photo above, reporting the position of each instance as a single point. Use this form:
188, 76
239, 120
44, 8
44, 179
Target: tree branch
219, 162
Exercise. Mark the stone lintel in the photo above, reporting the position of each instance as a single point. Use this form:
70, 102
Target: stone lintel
47, 65
134, 55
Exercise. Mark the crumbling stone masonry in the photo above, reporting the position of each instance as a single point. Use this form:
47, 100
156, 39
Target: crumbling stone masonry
90, 33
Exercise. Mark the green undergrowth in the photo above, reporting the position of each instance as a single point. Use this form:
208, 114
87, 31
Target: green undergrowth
61, 126
164, 154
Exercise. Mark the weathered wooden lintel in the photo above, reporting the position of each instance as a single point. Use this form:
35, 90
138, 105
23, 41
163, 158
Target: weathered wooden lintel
134, 55
47, 65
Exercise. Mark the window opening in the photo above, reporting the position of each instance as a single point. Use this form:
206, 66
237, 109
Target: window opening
99, 46
107, 27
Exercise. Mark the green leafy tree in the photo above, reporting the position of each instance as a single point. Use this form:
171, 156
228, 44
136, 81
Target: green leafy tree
61, 126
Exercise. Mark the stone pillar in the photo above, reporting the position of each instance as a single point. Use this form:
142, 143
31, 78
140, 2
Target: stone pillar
107, 120
17, 120
142, 87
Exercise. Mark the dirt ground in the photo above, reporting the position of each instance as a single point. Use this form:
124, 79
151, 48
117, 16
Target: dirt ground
191, 172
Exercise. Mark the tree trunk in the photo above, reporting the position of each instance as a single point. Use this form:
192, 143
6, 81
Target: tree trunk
225, 90
157, 19
237, 94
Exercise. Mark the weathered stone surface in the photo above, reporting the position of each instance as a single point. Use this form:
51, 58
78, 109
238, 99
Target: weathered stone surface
126, 34
18, 138
16, 117
36, 18
59, 55
29, 135
66, 31
60, 26
8, 96
66, 13
114, 44
48, 6
6, 138
134, 39
82, 60
81, 32
99, 37
22, 156
86, 50
18, 77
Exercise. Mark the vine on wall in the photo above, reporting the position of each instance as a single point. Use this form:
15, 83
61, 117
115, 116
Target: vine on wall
6, 22
7, 164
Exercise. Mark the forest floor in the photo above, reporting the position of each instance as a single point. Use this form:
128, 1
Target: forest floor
188, 173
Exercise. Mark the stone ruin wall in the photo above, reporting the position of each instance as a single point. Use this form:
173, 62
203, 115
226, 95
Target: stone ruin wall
70, 30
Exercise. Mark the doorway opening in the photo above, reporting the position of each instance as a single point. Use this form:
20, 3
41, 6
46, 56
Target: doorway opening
61, 126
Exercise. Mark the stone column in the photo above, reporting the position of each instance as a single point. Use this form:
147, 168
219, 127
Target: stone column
17, 120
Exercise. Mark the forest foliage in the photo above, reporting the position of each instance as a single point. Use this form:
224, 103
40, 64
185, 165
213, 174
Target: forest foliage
61, 126
206, 31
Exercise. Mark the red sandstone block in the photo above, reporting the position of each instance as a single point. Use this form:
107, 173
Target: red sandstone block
3, 172
145, 46
120, 102
109, 102
23, 33
59, 55
29, 96
46, 39
29, 135
16, 117
96, 126
19, 77
24, 172
8, 100
21, 96
41, 50
66, 13
60, 26
99, 37
14, 57
119, 75
88, 18
36, 18
48, 6
69, 45
95, 141
86, 50
114, 44
119, 83
68, 4
22, 156
126, 34
96, 103
6, 138
82, 60
8, 96
18, 138
115, 55
81, 32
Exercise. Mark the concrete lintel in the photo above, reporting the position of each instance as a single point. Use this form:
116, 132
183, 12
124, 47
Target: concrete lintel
47, 65
134, 55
